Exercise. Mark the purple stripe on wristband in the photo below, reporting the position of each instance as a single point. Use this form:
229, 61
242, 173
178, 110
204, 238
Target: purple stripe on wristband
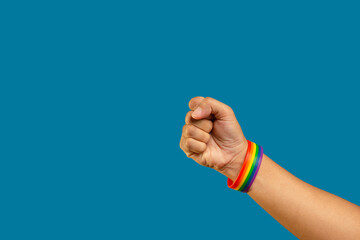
257, 169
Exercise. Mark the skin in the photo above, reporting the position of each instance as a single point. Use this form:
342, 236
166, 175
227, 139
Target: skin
213, 138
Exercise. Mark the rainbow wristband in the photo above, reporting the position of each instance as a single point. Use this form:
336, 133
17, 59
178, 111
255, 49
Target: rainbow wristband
249, 169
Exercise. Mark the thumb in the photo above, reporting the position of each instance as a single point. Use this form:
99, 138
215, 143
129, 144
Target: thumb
209, 106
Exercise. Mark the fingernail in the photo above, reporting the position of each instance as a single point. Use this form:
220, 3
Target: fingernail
197, 112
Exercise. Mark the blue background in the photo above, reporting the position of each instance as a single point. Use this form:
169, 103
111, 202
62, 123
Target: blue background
93, 97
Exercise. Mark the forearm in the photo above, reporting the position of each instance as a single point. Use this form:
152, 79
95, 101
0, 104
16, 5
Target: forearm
306, 211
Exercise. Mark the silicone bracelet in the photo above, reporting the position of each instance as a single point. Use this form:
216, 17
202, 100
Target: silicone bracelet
249, 169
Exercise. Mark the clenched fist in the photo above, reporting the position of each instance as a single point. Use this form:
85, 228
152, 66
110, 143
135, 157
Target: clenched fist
213, 137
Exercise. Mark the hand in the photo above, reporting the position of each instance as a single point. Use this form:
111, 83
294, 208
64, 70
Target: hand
213, 137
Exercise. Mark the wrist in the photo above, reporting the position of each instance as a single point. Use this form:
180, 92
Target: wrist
232, 169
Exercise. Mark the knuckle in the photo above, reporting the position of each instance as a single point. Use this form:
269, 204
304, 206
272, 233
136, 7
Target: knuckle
206, 125
228, 108
188, 154
188, 143
184, 129
188, 117
210, 100
207, 137
180, 143
203, 148
190, 131
207, 100
209, 126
